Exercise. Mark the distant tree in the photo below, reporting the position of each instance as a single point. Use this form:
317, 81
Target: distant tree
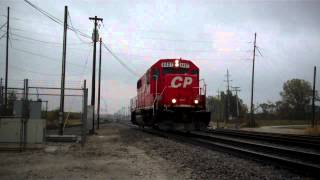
296, 95
218, 106
264, 107
268, 108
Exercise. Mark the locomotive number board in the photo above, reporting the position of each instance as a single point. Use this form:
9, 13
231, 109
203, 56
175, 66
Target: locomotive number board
171, 64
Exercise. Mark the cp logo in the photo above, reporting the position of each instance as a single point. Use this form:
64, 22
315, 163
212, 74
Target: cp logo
177, 82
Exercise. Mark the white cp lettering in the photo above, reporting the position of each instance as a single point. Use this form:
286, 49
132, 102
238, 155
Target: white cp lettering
177, 81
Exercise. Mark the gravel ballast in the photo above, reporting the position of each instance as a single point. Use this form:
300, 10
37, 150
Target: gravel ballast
205, 163
123, 152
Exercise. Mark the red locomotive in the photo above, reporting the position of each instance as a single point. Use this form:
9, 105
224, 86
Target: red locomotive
169, 96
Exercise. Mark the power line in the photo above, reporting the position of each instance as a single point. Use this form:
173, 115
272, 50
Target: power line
3, 25
258, 49
120, 61
42, 41
178, 40
187, 50
81, 34
31, 71
55, 19
10, 37
45, 13
3, 35
49, 45
43, 56
74, 29
36, 72
13, 18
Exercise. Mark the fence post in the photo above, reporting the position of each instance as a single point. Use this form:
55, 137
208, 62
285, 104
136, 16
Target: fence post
84, 113
25, 116
22, 118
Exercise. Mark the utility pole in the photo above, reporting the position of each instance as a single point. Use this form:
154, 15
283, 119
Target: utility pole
1, 93
237, 89
252, 122
99, 88
220, 108
93, 89
7, 61
63, 71
313, 97
228, 97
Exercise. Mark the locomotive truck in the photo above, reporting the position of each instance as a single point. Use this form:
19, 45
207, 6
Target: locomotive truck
169, 97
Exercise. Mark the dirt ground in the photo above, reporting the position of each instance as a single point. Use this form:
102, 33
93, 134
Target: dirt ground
105, 156
120, 152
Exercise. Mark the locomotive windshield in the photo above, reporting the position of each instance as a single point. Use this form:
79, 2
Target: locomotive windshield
169, 70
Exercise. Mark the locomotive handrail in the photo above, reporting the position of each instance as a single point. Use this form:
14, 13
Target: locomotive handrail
133, 103
204, 86
156, 99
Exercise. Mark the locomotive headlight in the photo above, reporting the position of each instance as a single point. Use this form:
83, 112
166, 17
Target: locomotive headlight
196, 101
176, 63
173, 101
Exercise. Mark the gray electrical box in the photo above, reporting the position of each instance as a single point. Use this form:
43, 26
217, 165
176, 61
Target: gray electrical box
34, 109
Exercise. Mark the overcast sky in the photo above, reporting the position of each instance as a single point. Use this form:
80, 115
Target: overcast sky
216, 35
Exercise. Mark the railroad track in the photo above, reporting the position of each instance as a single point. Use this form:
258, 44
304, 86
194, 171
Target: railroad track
305, 141
307, 162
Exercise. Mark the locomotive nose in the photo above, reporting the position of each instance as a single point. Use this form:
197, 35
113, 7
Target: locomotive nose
182, 90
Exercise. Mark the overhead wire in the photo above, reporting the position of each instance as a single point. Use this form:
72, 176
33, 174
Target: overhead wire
31, 71
82, 34
37, 72
43, 56
179, 40
119, 60
3, 35
185, 50
3, 25
75, 31
259, 51
10, 37
45, 13
41, 41
78, 32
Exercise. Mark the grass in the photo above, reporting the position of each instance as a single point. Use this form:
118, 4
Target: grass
281, 122
73, 122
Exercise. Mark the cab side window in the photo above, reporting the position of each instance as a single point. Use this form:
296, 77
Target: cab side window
167, 70
155, 73
139, 84
195, 71
148, 77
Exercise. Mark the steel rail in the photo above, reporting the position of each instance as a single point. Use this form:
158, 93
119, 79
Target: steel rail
300, 136
296, 140
282, 151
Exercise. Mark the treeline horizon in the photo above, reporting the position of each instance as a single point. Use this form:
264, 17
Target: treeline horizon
295, 104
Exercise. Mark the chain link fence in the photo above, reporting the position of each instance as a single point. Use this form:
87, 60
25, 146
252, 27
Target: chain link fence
30, 115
